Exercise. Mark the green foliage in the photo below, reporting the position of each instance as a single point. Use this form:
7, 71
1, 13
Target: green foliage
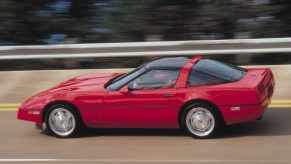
127, 20
34, 21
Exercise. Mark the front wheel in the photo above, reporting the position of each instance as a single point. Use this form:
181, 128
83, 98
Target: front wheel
62, 121
200, 121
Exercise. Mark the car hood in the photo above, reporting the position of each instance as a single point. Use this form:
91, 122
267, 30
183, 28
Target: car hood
97, 79
90, 82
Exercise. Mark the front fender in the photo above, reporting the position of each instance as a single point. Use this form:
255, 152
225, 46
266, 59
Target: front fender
32, 108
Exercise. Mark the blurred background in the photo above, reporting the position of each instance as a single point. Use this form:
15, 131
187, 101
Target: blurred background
43, 28
51, 22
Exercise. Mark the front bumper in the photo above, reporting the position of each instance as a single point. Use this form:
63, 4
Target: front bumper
34, 115
243, 113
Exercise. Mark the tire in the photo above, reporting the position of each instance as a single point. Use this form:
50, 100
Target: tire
62, 121
200, 120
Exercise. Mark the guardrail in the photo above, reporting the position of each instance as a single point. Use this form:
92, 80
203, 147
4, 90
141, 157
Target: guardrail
133, 49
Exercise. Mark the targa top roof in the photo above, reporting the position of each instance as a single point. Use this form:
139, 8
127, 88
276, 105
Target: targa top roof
169, 62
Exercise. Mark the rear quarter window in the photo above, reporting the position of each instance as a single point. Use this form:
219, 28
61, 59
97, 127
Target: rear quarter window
197, 79
207, 71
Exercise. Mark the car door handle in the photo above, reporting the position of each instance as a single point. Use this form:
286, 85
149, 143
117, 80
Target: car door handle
168, 95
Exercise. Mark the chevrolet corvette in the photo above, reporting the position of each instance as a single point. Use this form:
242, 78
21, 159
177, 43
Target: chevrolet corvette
198, 95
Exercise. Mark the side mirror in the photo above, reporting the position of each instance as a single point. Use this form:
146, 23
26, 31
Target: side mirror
125, 90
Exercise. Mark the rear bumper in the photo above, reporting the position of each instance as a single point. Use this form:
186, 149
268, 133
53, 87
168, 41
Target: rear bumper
34, 115
234, 114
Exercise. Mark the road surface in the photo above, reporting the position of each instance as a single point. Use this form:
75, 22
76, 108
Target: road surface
264, 141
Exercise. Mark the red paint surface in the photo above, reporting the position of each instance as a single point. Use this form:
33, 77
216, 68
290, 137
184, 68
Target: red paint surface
156, 108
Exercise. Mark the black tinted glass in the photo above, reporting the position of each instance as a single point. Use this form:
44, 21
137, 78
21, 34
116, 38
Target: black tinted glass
122, 80
219, 70
197, 79
155, 79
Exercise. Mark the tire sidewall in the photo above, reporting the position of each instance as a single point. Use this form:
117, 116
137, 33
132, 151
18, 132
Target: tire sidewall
217, 121
74, 113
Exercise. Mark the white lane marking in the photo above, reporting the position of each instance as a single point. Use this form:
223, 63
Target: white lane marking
144, 161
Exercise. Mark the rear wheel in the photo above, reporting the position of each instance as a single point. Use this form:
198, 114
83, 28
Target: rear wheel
201, 121
62, 121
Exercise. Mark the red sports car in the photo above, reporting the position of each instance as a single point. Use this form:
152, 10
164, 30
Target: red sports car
198, 95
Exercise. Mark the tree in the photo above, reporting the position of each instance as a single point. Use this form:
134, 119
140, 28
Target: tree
7, 22
36, 21
137, 20
126, 20
283, 15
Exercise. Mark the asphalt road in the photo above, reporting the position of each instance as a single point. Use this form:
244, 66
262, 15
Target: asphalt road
256, 142
264, 141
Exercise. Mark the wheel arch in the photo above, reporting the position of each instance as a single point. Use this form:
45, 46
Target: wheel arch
194, 101
63, 102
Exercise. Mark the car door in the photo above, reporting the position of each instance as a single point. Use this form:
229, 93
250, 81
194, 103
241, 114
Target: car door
150, 102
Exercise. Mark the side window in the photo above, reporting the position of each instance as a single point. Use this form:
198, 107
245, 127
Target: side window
197, 79
155, 79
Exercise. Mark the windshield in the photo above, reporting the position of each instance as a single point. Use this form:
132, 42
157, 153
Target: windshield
120, 81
